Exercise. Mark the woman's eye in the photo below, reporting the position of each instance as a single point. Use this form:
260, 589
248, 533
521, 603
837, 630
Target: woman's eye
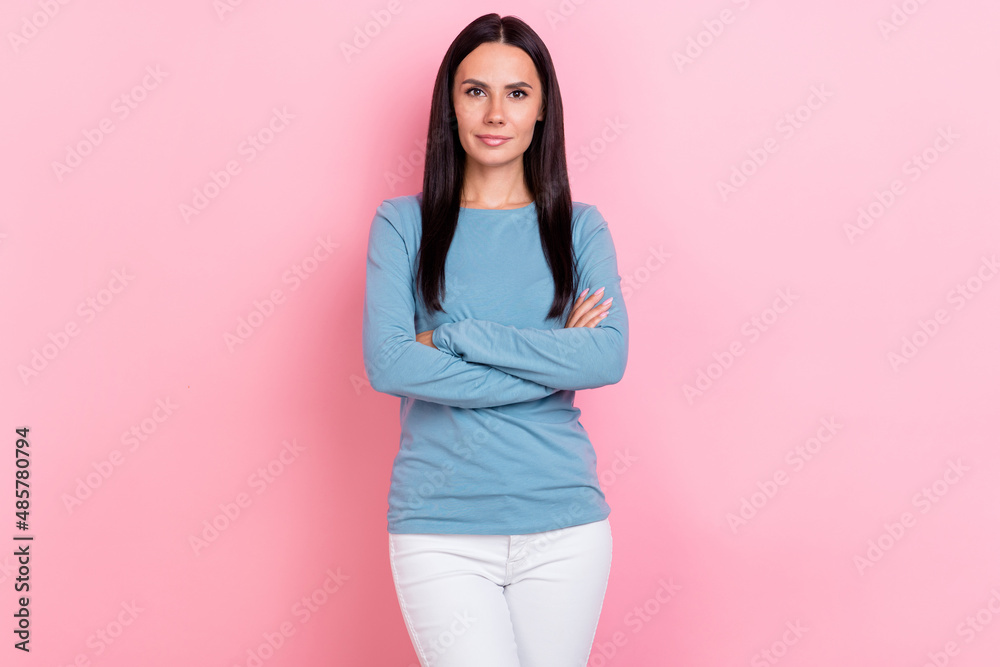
470, 91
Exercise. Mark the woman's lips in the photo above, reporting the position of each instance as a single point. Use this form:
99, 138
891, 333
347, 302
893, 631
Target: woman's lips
492, 141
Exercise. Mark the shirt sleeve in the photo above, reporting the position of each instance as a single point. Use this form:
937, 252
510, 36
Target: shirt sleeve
568, 359
395, 362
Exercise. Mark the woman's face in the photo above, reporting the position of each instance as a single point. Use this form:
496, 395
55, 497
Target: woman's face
497, 92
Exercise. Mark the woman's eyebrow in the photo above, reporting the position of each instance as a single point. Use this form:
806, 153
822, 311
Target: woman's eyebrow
477, 82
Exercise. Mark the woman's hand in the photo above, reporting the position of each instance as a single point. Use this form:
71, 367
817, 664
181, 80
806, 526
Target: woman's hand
425, 338
586, 311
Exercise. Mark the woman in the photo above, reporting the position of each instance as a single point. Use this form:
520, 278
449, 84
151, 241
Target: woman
499, 538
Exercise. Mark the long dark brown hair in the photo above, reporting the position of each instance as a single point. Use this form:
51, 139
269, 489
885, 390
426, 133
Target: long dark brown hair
544, 165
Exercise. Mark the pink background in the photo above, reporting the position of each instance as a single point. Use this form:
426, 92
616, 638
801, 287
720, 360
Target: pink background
649, 141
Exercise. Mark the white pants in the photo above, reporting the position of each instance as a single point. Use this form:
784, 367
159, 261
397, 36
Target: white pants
502, 600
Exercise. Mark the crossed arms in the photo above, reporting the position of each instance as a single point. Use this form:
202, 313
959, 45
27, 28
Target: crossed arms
479, 363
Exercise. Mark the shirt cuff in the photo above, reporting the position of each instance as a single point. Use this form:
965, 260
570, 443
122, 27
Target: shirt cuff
442, 340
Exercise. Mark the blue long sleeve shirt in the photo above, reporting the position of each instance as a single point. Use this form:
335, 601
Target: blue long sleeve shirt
490, 440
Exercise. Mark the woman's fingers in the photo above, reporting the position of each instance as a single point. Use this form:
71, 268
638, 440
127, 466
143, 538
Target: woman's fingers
586, 310
579, 310
594, 315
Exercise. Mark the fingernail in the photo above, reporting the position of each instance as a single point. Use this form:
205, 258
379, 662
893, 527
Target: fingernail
609, 300
599, 291
584, 292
